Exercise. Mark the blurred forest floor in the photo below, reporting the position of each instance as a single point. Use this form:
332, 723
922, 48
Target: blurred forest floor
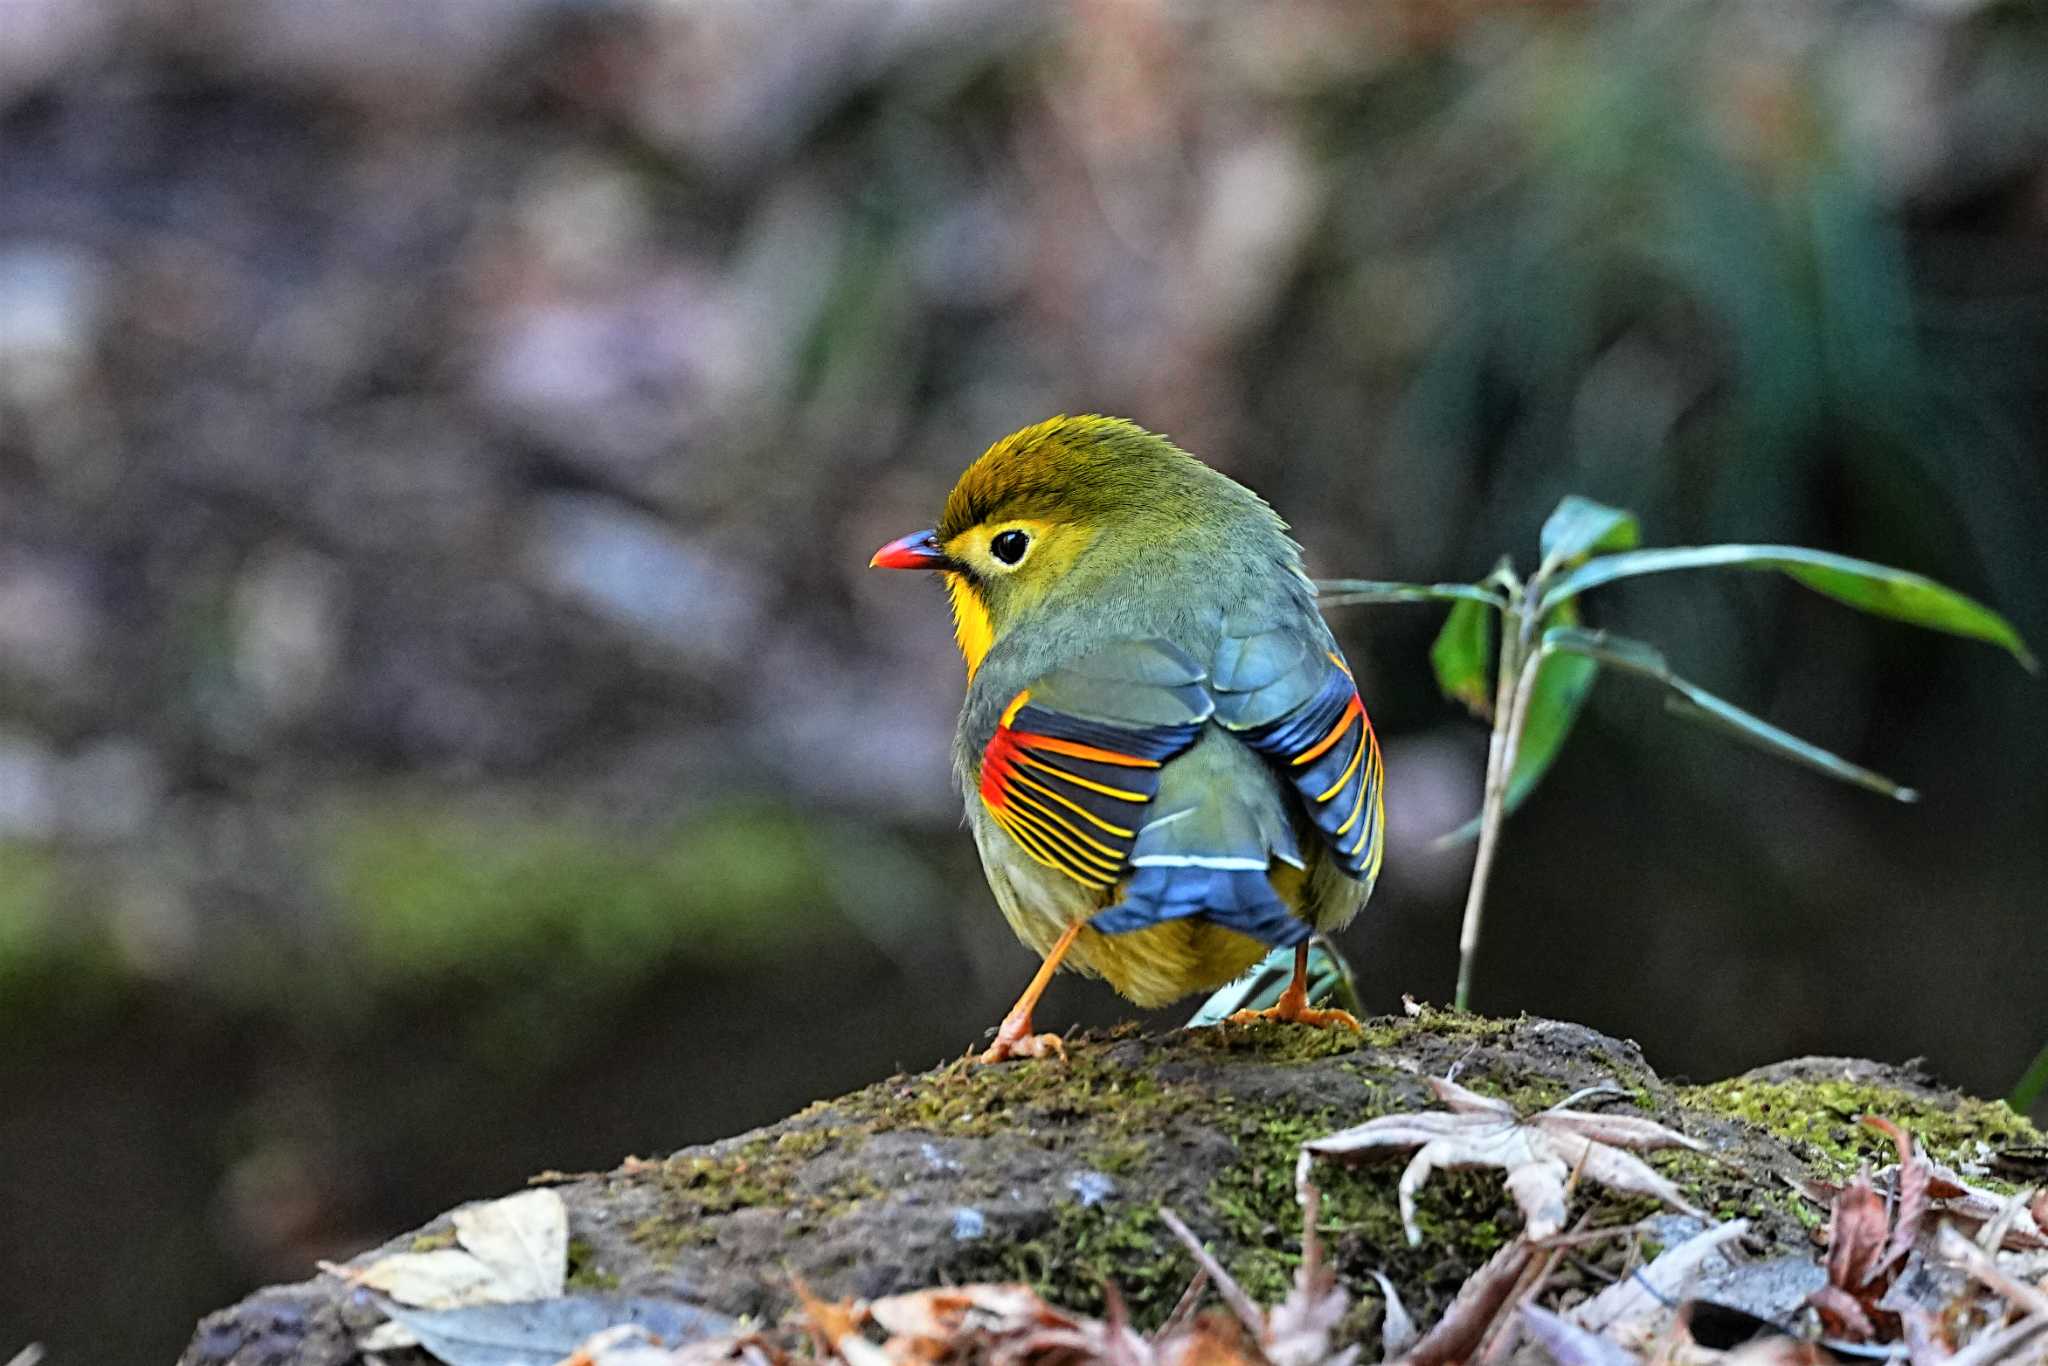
446, 729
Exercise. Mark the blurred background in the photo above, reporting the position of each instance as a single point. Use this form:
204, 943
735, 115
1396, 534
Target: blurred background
447, 728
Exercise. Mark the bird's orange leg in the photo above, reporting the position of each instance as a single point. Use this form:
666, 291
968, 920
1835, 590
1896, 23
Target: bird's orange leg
1293, 1004
1014, 1038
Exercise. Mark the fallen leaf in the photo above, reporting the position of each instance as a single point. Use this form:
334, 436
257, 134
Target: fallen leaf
1570, 1345
1297, 1331
512, 1249
1915, 1177
1473, 1309
1397, 1326
441, 1279
1633, 1309
1857, 1234
1537, 1154
523, 1239
541, 1332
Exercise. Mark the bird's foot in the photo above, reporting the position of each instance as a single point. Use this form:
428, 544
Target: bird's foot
1298, 1012
1015, 1039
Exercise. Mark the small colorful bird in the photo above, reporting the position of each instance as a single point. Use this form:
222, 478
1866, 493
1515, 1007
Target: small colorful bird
1166, 763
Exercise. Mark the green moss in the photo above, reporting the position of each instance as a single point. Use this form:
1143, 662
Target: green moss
695, 1188
1089, 1247
1818, 1118
1276, 1042
584, 1272
433, 1242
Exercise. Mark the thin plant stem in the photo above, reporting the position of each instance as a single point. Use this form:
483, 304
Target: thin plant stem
1510, 713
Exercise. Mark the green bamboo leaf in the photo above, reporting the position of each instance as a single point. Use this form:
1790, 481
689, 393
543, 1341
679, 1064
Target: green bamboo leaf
1463, 656
1580, 527
1696, 703
1563, 683
2032, 1085
1330, 984
1356, 592
1869, 587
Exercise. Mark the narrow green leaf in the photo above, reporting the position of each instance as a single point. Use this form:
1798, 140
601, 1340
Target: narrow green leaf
2032, 1084
1463, 656
1869, 587
1330, 984
1354, 592
1696, 703
1581, 527
1563, 683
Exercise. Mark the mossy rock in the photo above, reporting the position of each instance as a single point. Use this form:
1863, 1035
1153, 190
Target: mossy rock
1055, 1173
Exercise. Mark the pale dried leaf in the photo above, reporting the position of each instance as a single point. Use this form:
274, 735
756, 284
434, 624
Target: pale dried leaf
1612, 1167
1388, 1135
1538, 1190
1625, 1131
523, 1239
1299, 1328
942, 1313
441, 1279
1467, 1102
1972, 1258
1536, 1155
1570, 1345
1397, 1326
1631, 1309
27, 1356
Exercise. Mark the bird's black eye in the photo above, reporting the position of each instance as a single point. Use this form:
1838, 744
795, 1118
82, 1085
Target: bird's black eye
1009, 546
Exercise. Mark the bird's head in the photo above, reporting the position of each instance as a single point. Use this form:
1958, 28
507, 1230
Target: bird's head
1078, 505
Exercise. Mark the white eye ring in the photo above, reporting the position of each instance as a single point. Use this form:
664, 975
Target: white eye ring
1009, 547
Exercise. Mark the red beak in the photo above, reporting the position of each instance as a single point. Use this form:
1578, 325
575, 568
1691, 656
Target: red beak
918, 550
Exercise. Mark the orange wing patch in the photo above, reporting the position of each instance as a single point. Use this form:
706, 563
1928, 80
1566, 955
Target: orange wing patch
1072, 793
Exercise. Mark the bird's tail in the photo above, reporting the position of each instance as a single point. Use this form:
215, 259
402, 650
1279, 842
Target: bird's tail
1207, 847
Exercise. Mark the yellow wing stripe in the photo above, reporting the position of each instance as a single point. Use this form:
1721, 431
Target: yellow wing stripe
1120, 793
1357, 756
1071, 805
1050, 826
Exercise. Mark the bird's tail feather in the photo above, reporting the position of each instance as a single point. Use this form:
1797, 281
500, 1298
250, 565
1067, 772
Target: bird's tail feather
1216, 827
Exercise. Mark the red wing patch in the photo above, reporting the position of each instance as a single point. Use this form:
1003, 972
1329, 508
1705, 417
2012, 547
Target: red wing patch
1072, 793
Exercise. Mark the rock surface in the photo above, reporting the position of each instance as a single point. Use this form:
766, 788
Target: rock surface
1055, 1174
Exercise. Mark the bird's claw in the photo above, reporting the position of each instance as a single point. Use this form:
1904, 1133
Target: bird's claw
1292, 1013
1015, 1040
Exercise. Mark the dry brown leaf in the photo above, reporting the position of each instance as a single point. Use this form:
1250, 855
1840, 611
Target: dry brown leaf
1858, 1229
1472, 1311
1297, 1331
1915, 1180
1537, 1154
1950, 1196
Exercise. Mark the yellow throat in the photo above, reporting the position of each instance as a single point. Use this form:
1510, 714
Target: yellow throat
971, 626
